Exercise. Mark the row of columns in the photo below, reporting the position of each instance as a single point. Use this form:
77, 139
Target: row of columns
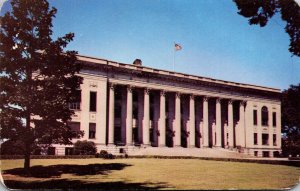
177, 120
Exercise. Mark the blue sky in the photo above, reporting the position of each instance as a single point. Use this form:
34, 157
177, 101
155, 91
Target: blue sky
216, 41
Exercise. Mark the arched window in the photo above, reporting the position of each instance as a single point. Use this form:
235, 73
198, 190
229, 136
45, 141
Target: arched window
264, 116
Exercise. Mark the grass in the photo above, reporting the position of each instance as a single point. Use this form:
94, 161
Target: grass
147, 174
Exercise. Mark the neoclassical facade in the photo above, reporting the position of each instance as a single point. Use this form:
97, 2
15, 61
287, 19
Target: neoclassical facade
130, 106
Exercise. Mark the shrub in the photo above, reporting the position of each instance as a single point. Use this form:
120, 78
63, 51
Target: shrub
85, 148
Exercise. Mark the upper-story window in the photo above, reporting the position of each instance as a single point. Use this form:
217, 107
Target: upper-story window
264, 116
274, 119
255, 117
75, 103
93, 101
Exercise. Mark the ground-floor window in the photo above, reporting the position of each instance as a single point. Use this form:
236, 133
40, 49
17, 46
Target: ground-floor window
51, 151
265, 154
69, 151
256, 153
276, 153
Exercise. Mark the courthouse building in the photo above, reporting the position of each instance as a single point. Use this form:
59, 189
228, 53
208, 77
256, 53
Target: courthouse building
130, 106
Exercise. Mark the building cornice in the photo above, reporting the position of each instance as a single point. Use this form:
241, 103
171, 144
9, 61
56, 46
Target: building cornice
91, 61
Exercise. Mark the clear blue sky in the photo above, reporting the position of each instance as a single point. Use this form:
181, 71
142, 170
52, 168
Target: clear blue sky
216, 41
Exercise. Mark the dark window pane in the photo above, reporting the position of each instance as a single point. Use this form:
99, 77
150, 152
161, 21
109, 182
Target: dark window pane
75, 127
93, 101
255, 138
274, 140
254, 117
75, 102
264, 116
92, 130
265, 139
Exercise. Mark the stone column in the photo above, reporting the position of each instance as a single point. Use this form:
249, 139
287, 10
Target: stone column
192, 121
218, 122
270, 126
177, 142
230, 123
146, 121
162, 120
205, 122
129, 116
111, 110
242, 135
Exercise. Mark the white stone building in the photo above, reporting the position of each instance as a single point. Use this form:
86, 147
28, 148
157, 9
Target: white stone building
129, 106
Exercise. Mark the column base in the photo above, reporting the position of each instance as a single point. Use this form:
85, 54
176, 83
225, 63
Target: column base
204, 147
111, 144
163, 146
146, 145
177, 146
191, 146
217, 147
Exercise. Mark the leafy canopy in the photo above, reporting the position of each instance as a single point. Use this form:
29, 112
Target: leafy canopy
38, 79
260, 11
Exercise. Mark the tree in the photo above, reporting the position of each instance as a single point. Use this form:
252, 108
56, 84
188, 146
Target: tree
291, 119
38, 79
260, 11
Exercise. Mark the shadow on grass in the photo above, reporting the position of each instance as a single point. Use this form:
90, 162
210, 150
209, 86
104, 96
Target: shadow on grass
57, 170
81, 185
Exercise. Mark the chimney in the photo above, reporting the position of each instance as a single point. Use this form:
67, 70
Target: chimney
137, 62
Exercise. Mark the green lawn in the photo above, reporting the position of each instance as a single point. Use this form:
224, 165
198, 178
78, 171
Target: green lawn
148, 173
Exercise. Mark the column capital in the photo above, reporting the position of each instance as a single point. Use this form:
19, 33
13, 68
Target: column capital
162, 92
112, 86
243, 103
218, 100
178, 94
192, 96
205, 98
147, 91
230, 101
130, 88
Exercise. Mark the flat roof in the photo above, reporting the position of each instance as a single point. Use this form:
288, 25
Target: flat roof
171, 73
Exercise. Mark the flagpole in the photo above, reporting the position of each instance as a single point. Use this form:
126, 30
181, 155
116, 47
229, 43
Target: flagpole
174, 58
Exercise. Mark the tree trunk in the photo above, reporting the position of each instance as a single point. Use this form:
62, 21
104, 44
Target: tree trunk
27, 157
27, 145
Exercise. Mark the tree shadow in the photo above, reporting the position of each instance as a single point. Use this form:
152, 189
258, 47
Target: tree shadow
65, 184
57, 170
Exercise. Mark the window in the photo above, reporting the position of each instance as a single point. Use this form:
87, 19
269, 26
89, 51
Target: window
92, 130
264, 116
69, 151
274, 119
75, 127
76, 100
265, 153
256, 153
265, 139
254, 117
255, 138
274, 140
93, 101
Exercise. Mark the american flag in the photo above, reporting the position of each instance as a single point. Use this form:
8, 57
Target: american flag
177, 46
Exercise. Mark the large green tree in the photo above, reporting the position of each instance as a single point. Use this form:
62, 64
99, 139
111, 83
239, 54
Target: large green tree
291, 119
38, 78
260, 11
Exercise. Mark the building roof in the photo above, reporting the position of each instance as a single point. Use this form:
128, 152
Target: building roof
173, 74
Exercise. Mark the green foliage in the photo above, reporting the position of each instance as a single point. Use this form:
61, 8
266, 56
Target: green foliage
85, 148
260, 11
291, 120
37, 77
